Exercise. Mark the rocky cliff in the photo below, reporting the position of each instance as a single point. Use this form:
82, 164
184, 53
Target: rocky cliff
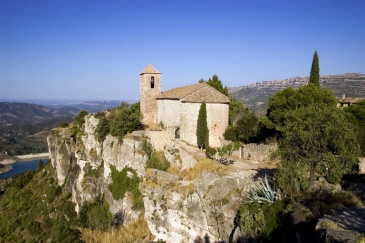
178, 206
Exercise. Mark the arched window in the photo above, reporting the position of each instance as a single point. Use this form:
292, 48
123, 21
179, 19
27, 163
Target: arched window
152, 82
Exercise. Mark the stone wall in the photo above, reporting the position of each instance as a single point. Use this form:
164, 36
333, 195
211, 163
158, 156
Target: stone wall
148, 103
189, 117
217, 119
257, 152
168, 112
362, 165
158, 138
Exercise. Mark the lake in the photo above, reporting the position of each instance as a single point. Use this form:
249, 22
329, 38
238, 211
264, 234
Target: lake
21, 167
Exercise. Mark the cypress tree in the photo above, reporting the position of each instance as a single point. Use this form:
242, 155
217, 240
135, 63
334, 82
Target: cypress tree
314, 74
202, 132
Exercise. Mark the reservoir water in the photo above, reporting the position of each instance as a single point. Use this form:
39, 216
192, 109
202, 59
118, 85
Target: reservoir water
21, 167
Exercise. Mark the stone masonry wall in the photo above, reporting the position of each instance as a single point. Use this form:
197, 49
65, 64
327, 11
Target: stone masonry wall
158, 139
168, 112
217, 119
189, 116
257, 152
362, 165
148, 95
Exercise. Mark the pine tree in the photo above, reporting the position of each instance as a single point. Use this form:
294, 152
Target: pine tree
202, 132
314, 74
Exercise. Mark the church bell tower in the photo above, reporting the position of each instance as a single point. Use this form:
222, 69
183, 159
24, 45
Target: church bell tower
150, 88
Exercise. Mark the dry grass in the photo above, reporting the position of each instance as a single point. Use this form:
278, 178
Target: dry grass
136, 232
329, 225
203, 165
174, 170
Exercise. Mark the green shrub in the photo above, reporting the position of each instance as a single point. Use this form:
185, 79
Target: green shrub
230, 134
63, 124
90, 171
95, 215
80, 118
156, 163
211, 151
127, 119
34, 228
148, 149
155, 160
260, 220
102, 129
121, 183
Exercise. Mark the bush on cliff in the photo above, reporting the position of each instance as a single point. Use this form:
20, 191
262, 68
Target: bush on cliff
156, 160
118, 122
95, 215
122, 183
127, 119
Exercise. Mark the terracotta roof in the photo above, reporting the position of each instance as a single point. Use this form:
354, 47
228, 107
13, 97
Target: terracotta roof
149, 69
195, 93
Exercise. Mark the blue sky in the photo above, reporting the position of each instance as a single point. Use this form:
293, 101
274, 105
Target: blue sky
95, 50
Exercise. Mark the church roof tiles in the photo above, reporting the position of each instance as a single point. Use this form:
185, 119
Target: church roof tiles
195, 93
149, 69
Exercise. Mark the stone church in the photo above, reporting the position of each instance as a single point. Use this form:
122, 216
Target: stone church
177, 109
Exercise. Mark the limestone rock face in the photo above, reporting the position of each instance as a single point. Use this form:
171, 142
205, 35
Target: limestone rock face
176, 210
61, 146
82, 163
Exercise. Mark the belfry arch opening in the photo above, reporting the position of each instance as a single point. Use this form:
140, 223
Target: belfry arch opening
152, 82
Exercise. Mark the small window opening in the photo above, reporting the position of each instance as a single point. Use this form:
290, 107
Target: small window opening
152, 82
177, 133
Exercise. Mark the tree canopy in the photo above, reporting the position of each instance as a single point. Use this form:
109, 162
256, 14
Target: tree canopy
356, 116
291, 99
216, 83
127, 119
244, 128
202, 132
316, 139
314, 74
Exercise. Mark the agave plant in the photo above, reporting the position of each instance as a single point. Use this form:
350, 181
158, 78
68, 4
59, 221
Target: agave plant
263, 193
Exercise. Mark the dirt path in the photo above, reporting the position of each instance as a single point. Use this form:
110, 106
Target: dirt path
238, 164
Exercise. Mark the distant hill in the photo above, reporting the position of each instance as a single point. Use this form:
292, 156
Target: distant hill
24, 127
256, 96
89, 106
24, 113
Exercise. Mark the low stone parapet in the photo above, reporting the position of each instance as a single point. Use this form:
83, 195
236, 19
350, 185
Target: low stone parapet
362, 165
257, 152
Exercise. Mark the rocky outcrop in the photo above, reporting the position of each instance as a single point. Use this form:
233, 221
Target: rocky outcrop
206, 207
82, 163
342, 225
176, 209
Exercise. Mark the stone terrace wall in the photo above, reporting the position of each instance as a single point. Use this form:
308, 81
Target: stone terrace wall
362, 165
158, 138
258, 152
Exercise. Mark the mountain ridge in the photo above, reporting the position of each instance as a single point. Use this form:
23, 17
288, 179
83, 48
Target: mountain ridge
257, 95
